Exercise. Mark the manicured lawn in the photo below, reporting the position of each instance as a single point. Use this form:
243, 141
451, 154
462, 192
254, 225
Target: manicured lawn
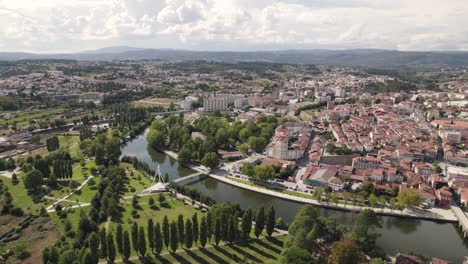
172, 209
264, 250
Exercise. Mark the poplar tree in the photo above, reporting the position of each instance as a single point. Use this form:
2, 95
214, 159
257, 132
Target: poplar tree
230, 230
270, 221
209, 225
195, 227
151, 234
259, 221
110, 248
188, 234
224, 226
174, 239
246, 223
217, 231
141, 241
158, 240
135, 236
236, 225
180, 228
93, 243
118, 238
203, 232
166, 232
126, 249
102, 237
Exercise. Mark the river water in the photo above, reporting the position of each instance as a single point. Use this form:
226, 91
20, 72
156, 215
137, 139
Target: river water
442, 240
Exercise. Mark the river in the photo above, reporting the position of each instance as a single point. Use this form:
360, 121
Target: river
442, 240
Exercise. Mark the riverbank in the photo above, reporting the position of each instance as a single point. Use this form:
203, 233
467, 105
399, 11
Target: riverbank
435, 214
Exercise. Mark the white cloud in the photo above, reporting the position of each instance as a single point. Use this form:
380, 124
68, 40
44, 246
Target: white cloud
56, 25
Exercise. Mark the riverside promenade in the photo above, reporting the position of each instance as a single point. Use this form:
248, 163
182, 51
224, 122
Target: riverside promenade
434, 214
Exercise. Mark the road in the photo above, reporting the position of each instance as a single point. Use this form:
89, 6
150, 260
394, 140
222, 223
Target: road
434, 213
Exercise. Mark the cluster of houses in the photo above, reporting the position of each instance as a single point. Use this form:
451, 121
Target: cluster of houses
385, 176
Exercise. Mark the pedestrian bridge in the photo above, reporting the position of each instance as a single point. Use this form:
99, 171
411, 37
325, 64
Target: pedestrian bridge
187, 179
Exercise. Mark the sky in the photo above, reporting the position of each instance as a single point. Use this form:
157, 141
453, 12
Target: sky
56, 26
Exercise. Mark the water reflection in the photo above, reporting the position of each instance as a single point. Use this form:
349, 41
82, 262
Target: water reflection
406, 226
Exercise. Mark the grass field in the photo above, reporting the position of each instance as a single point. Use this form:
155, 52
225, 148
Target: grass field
172, 209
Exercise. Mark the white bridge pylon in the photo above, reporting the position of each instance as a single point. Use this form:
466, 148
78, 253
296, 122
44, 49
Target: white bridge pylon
159, 185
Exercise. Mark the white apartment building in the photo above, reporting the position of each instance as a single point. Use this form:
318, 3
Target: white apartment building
211, 104
453, 172
451, 137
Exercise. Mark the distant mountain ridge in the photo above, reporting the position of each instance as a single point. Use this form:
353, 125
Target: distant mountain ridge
360, 57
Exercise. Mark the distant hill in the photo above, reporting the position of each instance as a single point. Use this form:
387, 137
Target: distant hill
365, 57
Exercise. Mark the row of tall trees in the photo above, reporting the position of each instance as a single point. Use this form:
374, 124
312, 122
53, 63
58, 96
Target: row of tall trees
124, 115
105, 203
63, 169
220, 224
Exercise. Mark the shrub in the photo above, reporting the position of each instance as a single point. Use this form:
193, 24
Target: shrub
58, 208
63, 214
21, 251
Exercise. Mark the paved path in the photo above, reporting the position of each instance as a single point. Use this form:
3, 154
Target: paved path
438, 214
81, 205
50, 207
